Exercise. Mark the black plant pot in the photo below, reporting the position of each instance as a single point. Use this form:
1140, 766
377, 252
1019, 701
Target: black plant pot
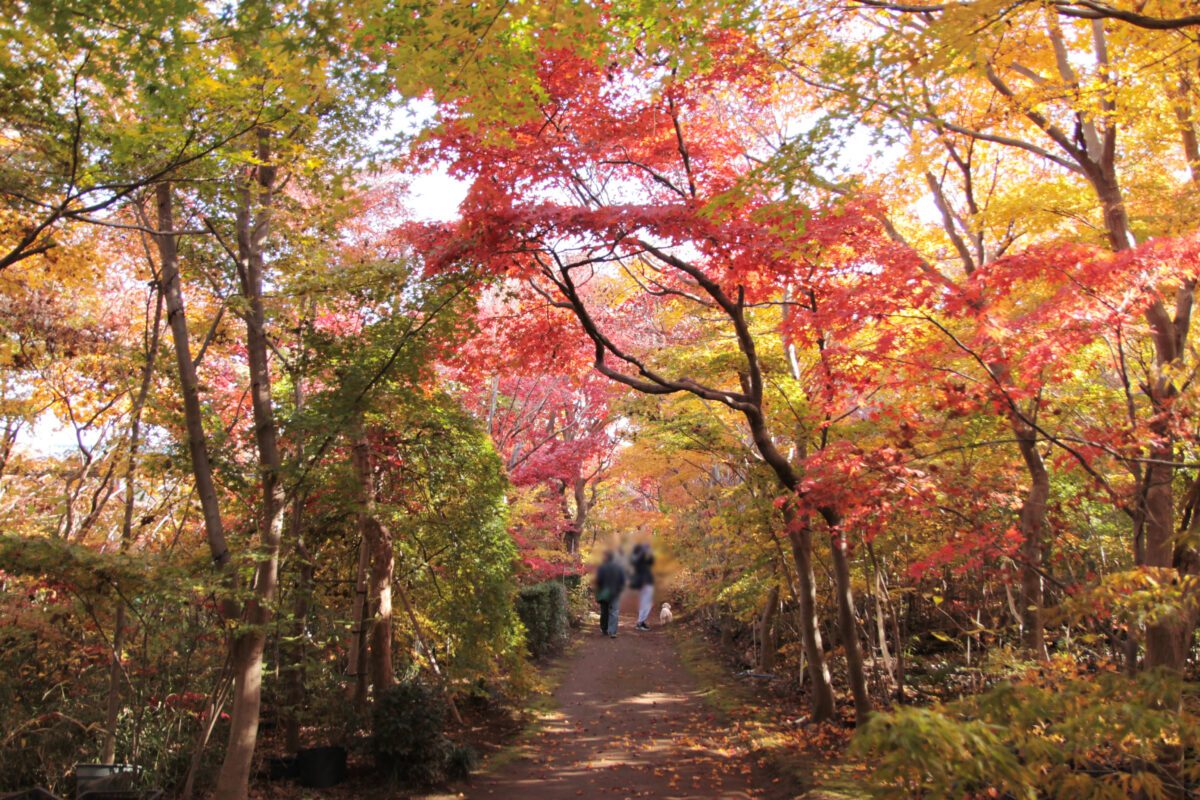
104, 778
321, 767
283, 767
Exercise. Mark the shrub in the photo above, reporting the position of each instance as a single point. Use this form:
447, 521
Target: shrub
581, 599
1100, 735
543, 611
460, 761
408, 739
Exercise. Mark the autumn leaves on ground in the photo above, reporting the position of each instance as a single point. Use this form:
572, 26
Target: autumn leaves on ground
872, 319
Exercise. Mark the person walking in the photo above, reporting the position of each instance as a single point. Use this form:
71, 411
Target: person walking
610, 580
643, 580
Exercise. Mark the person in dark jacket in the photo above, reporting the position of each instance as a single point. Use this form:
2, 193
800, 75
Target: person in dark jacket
610, 580
643, 580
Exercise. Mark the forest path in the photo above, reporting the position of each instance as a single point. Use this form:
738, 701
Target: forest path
629, 723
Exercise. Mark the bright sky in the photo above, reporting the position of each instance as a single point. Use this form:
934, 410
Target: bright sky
435, 197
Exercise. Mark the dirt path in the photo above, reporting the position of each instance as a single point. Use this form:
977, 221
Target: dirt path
629, 724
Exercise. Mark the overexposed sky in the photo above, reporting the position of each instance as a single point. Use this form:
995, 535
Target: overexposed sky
434, 197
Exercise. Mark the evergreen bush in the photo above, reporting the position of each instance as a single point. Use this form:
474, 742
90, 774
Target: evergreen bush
543, 611
408, 740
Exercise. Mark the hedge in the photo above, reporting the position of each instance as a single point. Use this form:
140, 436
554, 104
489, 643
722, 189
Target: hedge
543, 611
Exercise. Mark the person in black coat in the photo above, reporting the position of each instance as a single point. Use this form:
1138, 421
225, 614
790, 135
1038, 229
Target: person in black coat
610, 580
643, 580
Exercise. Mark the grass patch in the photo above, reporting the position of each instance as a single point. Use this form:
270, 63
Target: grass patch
540, 707
716, 689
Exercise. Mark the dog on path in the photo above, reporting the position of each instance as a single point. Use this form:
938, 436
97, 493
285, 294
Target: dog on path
664, 615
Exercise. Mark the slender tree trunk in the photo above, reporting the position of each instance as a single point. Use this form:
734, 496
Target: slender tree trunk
216, 703
1179, 94
871, 629
382, 566
117, 669
235, 771
423, 643
896, 636
357, 665
297, 650
787, 476
1168, 642
881, 627
569, 532
766, 625
800, 536
1032, 522
849, 626
885, 609
112, 714
581, 511
253, 225
171, 289
494, 395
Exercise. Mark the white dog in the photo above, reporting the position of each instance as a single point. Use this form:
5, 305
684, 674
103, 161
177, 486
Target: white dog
664, 616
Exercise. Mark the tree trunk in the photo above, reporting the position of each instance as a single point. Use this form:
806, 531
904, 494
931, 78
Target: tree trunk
881, 627
117, 669
575, 532
896, 635
253, 225
766, 625
1179, 94
800, 536
1168, 642
423, 644
358, 632
1032, 522
8, 437
234, 776
849, 626
382, 564
295, 676
171, 289
884, 609
235, 771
